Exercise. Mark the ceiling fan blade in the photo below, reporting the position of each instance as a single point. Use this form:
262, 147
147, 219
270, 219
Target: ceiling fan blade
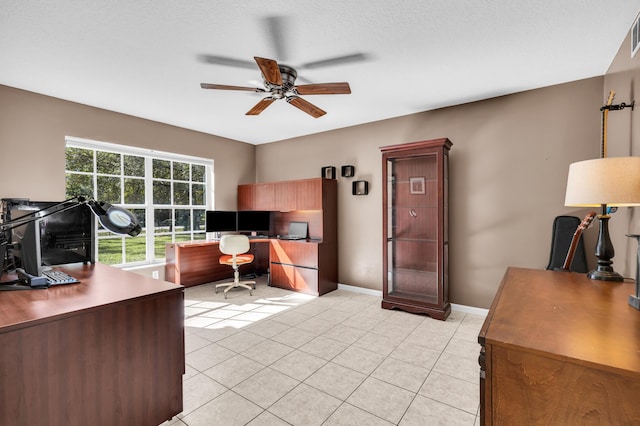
226, 87
223, 60
306, 106
275, 26
260, 106
324, 89
270, 70
338, 60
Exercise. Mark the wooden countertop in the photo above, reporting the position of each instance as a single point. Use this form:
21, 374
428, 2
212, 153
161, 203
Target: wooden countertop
99, 285
568, 316
196, 243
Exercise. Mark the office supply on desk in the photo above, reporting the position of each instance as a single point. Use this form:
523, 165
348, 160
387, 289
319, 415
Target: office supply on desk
33, 281
55, 277
38, 240
48, 277
254, 221
221, 221
57, 239
297, 231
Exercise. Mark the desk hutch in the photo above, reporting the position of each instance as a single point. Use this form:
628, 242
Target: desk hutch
309, 266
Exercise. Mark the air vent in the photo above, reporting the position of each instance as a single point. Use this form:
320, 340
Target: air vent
635, 36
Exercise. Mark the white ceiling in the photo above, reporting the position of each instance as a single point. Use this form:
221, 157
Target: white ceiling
141, 57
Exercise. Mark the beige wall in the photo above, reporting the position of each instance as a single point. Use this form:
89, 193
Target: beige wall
509, 166
32, 136
509, 162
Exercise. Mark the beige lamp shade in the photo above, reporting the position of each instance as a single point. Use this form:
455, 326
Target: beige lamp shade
614, 181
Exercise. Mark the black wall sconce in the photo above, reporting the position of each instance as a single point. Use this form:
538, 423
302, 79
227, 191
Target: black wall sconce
328, 172
348, 171
360, 187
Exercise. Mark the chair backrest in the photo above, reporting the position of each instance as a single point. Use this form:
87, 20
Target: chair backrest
234, 244
563, 229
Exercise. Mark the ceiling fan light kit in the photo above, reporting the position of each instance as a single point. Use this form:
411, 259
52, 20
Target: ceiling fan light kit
279, 81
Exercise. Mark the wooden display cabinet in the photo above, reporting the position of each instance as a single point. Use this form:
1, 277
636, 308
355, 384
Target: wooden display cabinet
415, 230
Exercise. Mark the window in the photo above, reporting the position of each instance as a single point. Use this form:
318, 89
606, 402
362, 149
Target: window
168, 193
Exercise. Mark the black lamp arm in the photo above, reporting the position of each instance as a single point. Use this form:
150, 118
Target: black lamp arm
42, 213
116, 219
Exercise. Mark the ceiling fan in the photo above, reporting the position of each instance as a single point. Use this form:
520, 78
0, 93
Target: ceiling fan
279, 82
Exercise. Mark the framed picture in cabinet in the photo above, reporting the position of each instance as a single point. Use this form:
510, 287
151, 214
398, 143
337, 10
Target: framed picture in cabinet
417, 185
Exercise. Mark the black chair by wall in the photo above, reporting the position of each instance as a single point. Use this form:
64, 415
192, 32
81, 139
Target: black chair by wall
563, 229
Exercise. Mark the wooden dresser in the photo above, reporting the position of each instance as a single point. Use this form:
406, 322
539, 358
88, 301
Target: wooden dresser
559, 348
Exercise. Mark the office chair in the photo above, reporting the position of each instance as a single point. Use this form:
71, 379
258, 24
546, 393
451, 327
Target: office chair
235, 248
562, 234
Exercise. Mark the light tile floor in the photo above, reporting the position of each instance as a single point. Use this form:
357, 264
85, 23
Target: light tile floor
285, 358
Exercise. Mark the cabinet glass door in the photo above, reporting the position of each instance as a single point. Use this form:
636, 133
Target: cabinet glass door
412, 227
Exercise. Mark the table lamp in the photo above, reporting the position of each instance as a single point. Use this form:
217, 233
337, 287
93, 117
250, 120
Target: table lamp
604, 182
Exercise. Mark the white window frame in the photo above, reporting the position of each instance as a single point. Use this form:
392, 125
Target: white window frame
149, 155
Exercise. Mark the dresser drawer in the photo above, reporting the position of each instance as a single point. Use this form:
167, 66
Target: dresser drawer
297, 253
304, 280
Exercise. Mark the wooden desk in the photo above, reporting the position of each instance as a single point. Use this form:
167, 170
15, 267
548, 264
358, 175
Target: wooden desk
307, 266
559, 348
192, 263
107, 351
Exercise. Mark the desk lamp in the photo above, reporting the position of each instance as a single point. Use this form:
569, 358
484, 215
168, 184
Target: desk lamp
604, 182
116, 219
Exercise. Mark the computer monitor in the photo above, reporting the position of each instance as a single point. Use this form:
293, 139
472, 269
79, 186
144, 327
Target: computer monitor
220, 221
298, 229
29, 251
254, 221
68, 236
63, 237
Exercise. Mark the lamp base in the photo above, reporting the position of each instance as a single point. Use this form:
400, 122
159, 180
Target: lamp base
634, 301
605, 275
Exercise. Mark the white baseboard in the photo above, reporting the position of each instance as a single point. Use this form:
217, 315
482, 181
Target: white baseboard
360, 290
470, 310
377, 293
